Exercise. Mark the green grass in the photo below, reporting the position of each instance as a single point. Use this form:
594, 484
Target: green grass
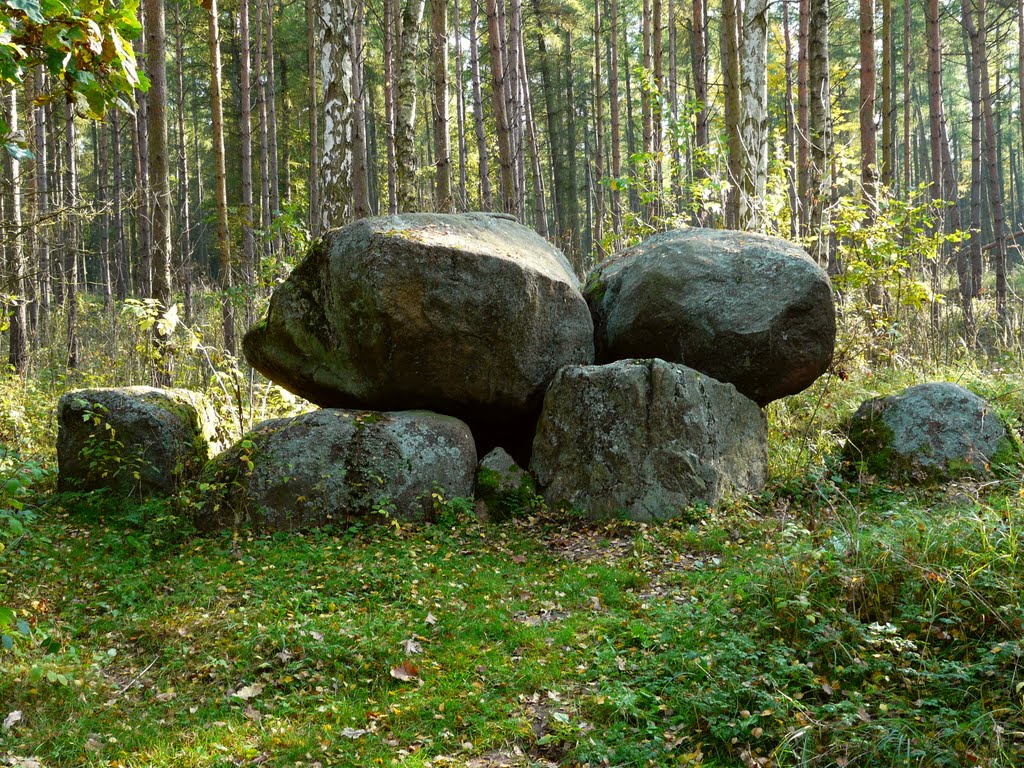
825, 624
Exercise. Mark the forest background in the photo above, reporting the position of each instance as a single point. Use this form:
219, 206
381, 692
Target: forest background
165, 166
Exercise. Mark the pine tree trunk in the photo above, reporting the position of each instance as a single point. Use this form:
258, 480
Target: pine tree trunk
972, 251
245, 144
460, 111
486, 201
120, 257
597, 251
868, 145
995, 183
220, 181
500, 102
731, 75
439, 88
907, 149
820, 117
613, 103
184, 217
539, 205
803, 131
272, 157
888, 98
41, 189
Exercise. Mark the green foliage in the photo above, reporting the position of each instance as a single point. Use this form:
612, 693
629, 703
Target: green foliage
83, 44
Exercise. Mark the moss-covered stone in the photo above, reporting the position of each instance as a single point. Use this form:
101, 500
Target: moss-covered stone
929, 433
332, 465
746, 309
133, 440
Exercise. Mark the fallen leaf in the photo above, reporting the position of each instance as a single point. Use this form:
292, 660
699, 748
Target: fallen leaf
284, 656
165, 696
405, 671
252, 713
11, 719
317, 636
518, 559
620, 663
248, 692
431, 619
23, 762
411, 646
354, 733
595, 603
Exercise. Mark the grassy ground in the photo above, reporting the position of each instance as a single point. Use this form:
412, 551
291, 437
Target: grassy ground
831, 621
827, 624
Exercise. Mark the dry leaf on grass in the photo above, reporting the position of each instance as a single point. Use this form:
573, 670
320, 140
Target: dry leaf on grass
405, 671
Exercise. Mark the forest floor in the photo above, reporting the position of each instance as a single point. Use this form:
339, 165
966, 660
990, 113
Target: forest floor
832, 620
821, 624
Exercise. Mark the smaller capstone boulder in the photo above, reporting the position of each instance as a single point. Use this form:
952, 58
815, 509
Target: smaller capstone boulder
333, 464
747, 309
133, 440
930, 432
646, 438
503, 488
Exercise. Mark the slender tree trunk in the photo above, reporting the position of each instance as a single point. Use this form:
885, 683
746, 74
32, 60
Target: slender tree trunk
972, 252
439, 87
159, 173
102, 205
731, 74
539, 206
17, 354
571, 236
220, 182
498, 86
754, 116
261, 115
613, 104
184, 217
820, 117
460, 111
791, 128
271, 99
868, 145
405, 139
245, 143
314, 111
390, 39
597, 250
486, 201
360, 177
142, 196
120, 258
995, 182
803, 131
888, 98
70, 276
41, 188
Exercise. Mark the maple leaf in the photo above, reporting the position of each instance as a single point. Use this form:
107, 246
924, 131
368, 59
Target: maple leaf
11, 719
405, 671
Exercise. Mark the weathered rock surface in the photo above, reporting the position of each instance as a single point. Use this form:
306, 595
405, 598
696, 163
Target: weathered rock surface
928, 432
750, 310
107, 436
469, 315
503, 488
332, 465
646, 438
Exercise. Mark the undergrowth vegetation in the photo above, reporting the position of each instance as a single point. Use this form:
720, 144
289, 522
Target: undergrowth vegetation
833, 620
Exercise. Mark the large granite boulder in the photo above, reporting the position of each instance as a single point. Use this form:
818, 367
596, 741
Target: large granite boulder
469, 315
332, 465
646, 438
750, 310
929, 432
133, 440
